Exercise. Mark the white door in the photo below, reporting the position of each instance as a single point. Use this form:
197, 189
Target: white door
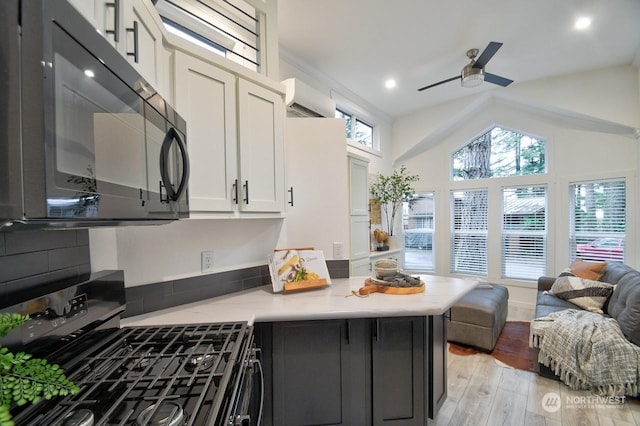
205, 97
359, 193
141, 41
261, 139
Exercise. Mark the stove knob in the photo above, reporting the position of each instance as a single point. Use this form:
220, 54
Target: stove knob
82, 417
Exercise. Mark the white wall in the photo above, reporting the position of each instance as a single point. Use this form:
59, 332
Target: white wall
578, 148
149, 254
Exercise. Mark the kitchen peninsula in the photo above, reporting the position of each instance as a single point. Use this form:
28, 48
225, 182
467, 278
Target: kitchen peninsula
331, 357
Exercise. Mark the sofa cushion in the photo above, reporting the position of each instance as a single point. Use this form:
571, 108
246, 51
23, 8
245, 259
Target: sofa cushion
588, 270
588, 294
624, 304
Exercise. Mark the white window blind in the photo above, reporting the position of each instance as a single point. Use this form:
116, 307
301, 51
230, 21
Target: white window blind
524, 224
598, 220
418, 225
469, 232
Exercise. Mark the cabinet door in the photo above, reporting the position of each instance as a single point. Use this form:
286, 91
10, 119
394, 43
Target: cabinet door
311, 373
398, 371
261, 139
101, 14
359, 237
359, 189
205, 97
141, 40
437, 338
360, 268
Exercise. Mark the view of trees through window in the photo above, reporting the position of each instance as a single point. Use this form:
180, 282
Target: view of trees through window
499, 152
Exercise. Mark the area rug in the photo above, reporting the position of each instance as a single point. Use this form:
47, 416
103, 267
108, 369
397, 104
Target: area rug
511, 349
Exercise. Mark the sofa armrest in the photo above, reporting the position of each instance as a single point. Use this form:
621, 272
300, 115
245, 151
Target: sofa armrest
545, 283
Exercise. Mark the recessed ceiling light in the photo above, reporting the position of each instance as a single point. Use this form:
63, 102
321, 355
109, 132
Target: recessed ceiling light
582, 23
390, 84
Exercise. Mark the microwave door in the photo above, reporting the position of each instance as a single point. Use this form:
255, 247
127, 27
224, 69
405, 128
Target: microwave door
168, 166
97, 170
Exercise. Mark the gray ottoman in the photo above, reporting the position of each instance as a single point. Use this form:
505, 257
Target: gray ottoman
477, 319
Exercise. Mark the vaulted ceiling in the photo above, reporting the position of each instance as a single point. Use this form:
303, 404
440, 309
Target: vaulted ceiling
359, 44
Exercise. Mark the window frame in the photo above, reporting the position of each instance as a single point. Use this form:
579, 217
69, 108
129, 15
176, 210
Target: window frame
484, 269
576, 238
352, 119
506, 233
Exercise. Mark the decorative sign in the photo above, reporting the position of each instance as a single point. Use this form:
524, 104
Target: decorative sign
298, 269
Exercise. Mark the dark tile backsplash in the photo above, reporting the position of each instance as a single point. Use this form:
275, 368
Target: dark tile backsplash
31, 258
152, 297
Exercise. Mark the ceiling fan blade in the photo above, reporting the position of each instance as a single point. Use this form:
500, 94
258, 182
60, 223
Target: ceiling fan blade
496, 79
488, 53
439, 83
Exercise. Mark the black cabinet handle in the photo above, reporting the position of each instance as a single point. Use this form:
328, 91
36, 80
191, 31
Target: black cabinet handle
246, 189
235, 191
348, 332
116, 19
290, 191
134, 30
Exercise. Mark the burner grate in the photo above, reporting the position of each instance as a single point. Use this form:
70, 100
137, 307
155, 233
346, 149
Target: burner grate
133, 377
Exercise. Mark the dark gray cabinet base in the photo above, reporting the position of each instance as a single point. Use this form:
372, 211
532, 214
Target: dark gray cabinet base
380, 371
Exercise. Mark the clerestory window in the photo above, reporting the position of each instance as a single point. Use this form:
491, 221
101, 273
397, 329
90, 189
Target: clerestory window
499, 152
356, 129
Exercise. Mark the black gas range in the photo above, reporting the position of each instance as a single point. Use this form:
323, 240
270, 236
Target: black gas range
195, 374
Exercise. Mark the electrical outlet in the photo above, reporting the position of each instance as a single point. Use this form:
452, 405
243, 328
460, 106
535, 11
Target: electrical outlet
207, 261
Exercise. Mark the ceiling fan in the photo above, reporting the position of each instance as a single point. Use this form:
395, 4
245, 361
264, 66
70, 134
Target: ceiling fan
473, 73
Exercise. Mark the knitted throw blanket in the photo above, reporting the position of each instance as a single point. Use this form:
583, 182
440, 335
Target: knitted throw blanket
588, 351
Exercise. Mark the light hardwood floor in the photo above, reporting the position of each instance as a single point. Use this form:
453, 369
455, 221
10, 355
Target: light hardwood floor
483, 392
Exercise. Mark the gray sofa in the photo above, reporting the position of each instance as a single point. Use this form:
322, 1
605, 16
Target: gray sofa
623, 305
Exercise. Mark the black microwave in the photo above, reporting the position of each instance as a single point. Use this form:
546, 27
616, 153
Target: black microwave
84, 139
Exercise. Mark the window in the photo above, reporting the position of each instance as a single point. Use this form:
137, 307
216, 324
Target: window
524, 225
231, 28
357, 130
417, 223
498, 153
598, 220
469, 232
193, 37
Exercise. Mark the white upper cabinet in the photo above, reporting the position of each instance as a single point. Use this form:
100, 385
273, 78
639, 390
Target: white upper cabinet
205, 96
231, 170
141, 41
132, 29
261, 132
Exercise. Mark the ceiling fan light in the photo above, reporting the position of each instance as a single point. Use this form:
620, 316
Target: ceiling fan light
472, 77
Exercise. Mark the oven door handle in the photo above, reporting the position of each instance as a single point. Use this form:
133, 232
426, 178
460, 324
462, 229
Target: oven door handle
242, 415
172, 194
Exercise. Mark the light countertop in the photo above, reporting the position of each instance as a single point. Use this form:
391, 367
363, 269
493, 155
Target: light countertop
335, 301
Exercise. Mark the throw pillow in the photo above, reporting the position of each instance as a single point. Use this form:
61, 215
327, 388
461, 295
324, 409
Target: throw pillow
588, 270
588, 294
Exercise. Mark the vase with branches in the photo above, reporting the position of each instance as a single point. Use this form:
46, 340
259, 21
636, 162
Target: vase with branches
391, 191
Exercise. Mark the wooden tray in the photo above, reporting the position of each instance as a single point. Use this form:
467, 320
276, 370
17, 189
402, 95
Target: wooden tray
304, 285
370, 287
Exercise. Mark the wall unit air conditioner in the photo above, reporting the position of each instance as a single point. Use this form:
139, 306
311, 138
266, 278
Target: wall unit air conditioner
304, 101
